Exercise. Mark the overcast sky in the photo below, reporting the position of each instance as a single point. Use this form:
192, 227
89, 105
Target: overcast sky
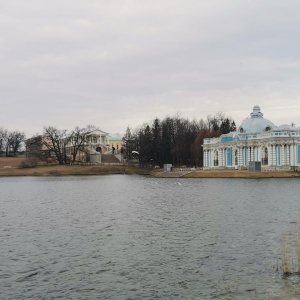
119, 63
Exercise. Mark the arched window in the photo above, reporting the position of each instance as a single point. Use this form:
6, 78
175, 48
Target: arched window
236, 157
216, 158
264, 158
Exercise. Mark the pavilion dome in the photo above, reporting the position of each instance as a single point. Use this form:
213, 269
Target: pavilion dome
256, 123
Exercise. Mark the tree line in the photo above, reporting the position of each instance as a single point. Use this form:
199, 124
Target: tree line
10, 141
174, 140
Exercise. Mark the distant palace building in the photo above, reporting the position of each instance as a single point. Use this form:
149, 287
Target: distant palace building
256, 140
95, 141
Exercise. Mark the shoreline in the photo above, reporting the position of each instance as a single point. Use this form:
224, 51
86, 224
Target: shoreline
86, 170
242, 174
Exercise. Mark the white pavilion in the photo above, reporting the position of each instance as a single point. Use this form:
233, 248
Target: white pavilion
256, 140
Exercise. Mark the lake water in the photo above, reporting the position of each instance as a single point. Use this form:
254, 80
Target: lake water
135, 237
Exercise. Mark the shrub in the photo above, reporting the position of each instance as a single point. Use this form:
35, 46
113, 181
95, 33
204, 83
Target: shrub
30, 162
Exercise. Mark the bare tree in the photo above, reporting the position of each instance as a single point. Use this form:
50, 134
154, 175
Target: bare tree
16, 138
10, 141
56, 141
3, 139
220, 123
78, 139
7, 142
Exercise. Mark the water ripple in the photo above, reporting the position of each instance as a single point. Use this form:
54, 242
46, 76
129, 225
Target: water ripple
132, 237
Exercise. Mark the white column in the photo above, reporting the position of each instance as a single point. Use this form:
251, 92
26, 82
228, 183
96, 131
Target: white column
211, 157
288, 155
204, 158
270, 155
283, 162
223, 157
292, 155
219, 157
240, 158
252, 153
235, 158
274, 155
208, 158
259, 153
248, 156
244, 149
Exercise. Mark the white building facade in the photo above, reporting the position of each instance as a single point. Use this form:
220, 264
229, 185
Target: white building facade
256, 140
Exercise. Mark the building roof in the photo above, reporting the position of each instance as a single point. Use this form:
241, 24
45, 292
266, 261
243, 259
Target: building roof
285, 127
256, 123
115, 137
97, 132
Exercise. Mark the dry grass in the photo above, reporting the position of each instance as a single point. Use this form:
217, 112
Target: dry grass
11, 161
58, 170
290, 252
65, 170
285, 255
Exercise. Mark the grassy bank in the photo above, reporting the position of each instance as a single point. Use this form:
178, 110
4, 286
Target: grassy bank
73, 170
9, 166
11, 161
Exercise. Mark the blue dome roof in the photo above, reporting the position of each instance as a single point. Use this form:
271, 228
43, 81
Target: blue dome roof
256, 123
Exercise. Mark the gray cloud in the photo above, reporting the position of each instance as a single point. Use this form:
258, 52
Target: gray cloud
118, 63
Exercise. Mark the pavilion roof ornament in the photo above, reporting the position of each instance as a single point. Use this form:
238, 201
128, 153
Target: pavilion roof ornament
256, 112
